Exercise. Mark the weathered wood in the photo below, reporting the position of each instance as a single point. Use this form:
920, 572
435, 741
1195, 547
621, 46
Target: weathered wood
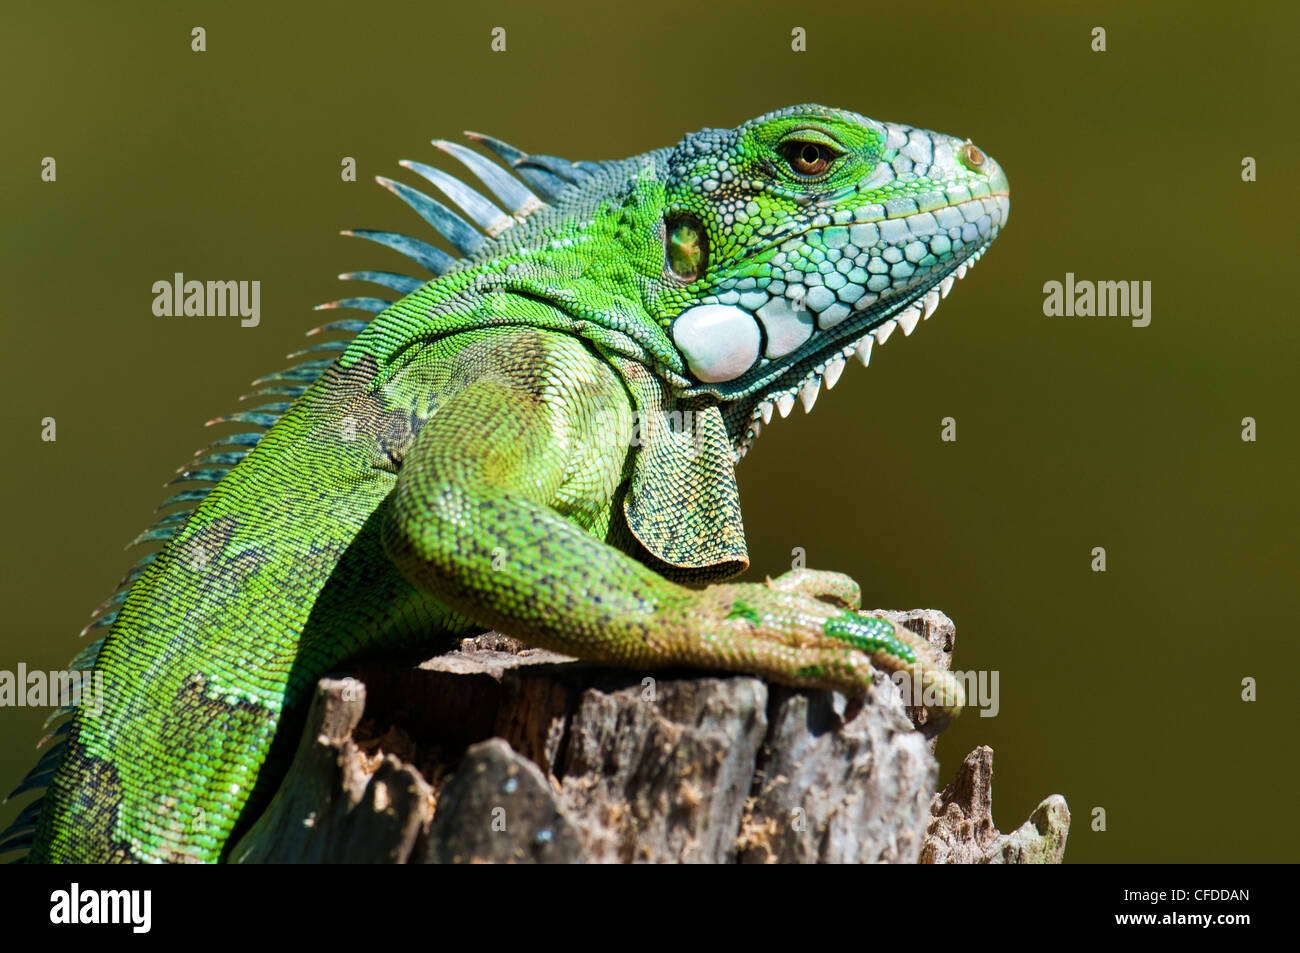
500, 753
962, 830
830, 791
941, 635
337, 805
500, 808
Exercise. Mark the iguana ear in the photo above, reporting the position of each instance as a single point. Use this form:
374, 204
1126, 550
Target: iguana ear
682, 504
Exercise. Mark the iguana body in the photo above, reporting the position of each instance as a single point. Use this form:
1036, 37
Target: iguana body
541, 439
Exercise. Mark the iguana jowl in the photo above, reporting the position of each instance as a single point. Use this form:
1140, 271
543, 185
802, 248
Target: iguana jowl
541, 439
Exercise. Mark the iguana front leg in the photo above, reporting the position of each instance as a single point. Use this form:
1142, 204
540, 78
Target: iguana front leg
494, 510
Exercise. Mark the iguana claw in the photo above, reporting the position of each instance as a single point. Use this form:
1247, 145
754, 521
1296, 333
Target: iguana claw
820, 584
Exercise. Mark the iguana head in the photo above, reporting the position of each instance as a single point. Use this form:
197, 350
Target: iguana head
805, 237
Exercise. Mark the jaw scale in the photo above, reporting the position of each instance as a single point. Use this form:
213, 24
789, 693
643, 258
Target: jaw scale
829, 371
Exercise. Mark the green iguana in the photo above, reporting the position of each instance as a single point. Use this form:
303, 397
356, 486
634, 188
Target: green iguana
541, 439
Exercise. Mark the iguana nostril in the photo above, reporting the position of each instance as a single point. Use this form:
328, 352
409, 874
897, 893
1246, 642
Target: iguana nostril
972, 157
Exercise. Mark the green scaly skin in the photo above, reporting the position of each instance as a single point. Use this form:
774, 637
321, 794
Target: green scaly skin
541, 441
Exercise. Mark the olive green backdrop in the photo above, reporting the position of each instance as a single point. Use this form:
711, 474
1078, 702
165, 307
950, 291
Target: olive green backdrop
1120, 690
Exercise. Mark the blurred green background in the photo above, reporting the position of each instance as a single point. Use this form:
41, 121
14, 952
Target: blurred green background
1119, 690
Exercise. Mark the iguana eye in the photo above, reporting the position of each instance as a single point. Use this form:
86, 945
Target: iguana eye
687, 247
807, 159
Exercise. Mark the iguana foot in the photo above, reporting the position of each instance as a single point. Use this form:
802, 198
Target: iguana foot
780, 630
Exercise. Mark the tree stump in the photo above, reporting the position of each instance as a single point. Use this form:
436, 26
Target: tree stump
497, 752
